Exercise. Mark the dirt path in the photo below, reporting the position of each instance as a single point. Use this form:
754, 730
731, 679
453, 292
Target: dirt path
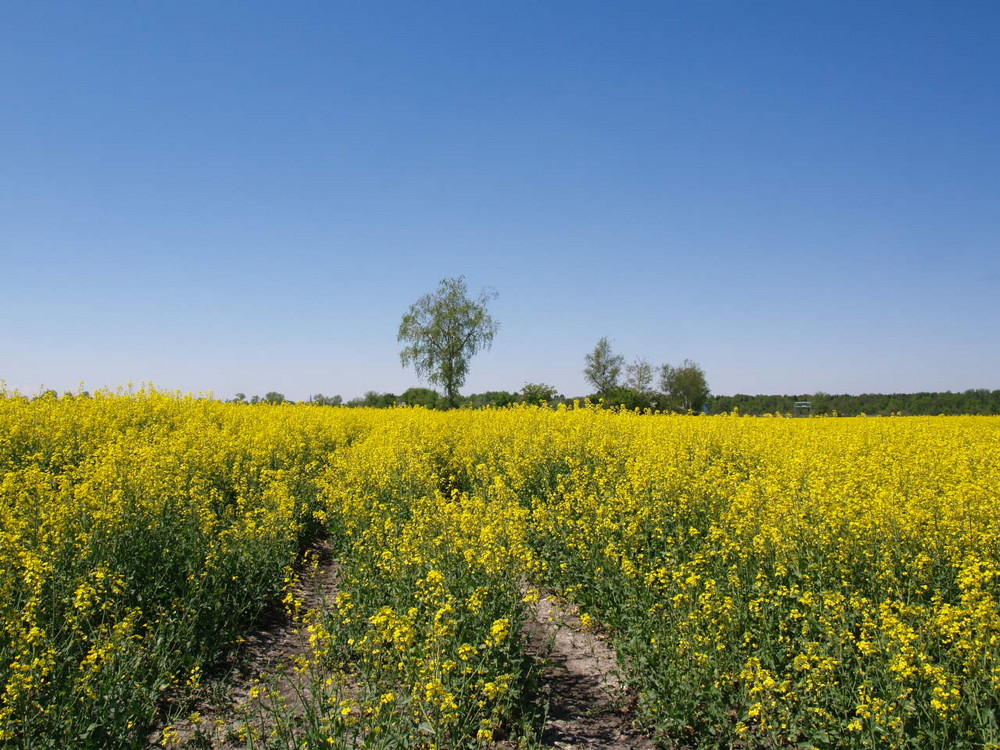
225, 708
589, 704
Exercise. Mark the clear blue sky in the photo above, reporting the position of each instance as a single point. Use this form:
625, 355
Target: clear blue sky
246, 196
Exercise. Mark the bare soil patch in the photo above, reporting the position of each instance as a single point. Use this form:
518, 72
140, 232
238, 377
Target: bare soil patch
589, 705
225, 708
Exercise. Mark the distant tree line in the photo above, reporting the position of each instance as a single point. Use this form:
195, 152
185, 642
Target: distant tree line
636, 392
271, 397
665, 388
443, 330
974, 401
925, 403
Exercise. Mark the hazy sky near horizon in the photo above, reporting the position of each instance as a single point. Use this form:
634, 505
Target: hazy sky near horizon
246, 196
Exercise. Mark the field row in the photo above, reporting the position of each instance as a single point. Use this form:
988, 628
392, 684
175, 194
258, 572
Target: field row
766, 582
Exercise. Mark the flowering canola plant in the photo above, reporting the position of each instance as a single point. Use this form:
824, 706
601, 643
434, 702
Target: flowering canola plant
139, 537
831, 582
767, 582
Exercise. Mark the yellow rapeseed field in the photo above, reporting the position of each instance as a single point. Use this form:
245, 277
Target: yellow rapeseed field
767, 582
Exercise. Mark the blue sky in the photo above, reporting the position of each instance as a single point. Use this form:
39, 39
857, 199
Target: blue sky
246, 196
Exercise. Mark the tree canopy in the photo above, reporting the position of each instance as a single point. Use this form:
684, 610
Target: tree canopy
639, 376
538, 393
685, 386
604, 367
443, 330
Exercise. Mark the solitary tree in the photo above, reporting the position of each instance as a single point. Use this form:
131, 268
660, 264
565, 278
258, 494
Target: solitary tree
443, 331
604, 367
639, 376
378, 400
685, 385
420, 397
321, 400
537, 393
